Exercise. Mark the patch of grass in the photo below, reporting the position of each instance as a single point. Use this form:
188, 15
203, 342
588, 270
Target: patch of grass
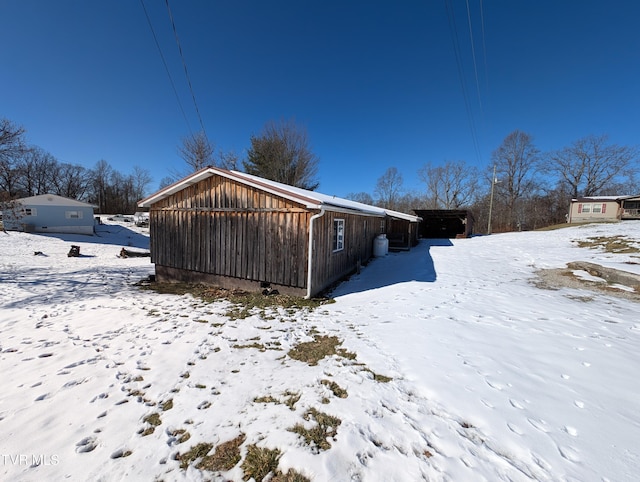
266, 399
290, 476
326, 426
194, 453
226, 456
181, 435
611, 244
168, 405
259, 346
291, 398
200, 385
259, 462
553, 227
335, 388
377, 377
312, 352
244, 303
153, 419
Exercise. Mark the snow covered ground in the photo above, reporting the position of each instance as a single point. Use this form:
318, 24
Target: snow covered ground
492, 377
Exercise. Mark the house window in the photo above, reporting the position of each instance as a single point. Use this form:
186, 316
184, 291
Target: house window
73, 214
29, 211
597, 208
338, 234
586, 208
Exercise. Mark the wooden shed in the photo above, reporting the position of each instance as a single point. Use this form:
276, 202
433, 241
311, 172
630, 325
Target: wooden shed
234, 230
445, 223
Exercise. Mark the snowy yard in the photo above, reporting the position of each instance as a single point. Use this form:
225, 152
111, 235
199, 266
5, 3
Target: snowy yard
456, 363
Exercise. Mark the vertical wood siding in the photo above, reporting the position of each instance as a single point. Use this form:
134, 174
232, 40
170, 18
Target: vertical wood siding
359, 234
225, 228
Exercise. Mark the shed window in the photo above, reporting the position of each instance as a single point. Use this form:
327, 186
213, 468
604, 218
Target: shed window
338, 234
30, 211
73, 214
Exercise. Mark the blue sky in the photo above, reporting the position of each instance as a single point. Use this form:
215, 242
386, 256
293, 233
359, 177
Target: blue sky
376, 83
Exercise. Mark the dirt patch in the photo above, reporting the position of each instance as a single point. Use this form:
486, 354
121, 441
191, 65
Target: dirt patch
611, 280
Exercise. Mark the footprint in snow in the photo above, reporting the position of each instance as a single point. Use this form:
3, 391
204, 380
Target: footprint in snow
578, 403
87, 444
493, 384
569, 453
538, 424
514, 428
570, 430
515, 404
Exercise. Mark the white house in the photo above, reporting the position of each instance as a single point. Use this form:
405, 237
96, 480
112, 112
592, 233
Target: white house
49, 213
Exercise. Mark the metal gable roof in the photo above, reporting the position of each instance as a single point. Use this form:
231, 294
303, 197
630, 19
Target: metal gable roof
310, 199
52, 200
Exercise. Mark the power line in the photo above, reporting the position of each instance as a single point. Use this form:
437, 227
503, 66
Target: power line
186, 72
473, 55
484, 49
456, 48
166, 67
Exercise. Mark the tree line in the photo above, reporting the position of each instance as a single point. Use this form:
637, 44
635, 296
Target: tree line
522, 187
27, 170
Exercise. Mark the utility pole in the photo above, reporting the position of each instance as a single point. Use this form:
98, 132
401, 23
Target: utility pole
493, 183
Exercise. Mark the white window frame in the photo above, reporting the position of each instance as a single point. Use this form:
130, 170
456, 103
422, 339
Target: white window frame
597, 208
586, 208
73, 214
30, 212
338, 235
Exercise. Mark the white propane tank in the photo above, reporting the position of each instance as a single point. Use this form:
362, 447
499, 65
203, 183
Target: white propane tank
380, 245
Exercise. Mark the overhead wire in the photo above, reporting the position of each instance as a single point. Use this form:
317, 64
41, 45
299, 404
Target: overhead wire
186, 71
166, 67
473, 56
456, 48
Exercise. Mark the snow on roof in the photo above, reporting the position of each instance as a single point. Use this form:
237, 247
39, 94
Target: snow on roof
310, 199
603, 198
52, 200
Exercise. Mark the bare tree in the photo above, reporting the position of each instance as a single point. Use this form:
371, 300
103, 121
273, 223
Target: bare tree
451, 185
71, 180
99, 182
197, 151
228, 160
389, 188
590, 166
282, 153
12, 145
516, 161
361, 197
36, 169
141, 180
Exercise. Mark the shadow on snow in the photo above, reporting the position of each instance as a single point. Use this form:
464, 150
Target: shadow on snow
394, 268
106, 234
